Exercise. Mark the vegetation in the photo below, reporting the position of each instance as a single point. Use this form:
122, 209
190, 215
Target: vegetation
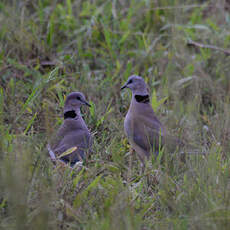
49, 48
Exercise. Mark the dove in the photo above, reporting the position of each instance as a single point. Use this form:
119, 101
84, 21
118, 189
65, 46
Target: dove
73, 135
145, 133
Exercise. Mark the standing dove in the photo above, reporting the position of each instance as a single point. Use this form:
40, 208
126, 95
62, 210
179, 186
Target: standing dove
73, 133
144, 131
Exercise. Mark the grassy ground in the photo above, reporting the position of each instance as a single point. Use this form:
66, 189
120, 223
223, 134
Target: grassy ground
49, 48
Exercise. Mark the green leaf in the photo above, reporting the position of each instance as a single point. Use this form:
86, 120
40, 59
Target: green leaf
30, 123
82, 196
155, 102
124, 37
67, 152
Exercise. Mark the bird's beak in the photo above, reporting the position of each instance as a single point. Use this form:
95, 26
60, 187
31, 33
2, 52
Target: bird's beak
124, 86
86, 103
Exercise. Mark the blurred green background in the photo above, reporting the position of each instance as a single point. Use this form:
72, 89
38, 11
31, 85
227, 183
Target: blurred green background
49, 48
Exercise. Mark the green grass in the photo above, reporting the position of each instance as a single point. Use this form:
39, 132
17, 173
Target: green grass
49, 48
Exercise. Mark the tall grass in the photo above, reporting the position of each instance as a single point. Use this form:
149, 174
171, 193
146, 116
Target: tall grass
49, 48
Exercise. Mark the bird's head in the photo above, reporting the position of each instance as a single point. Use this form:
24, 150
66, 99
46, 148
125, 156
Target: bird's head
136, 84
73, 103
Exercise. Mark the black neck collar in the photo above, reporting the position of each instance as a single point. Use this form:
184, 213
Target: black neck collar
70, 114
142, 98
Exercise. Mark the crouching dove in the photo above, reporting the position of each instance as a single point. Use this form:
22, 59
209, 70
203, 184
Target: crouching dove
144, 131
73, 137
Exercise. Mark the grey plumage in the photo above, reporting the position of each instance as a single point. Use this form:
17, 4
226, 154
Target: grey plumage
144, 131
73, 132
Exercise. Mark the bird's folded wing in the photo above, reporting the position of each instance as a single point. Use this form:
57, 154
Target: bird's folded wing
145, 135
150, 132
79, 138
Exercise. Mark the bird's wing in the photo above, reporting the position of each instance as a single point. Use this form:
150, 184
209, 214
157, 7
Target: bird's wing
67, 137
147, 136
153, 127
77, 138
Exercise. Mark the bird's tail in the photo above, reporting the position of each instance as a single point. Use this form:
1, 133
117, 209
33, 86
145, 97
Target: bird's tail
193, 152
51, 153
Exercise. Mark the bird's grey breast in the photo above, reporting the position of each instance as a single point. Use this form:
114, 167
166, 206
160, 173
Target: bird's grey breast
128, 124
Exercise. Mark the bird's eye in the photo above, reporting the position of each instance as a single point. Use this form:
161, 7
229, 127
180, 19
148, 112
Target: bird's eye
78, 98
130, 81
